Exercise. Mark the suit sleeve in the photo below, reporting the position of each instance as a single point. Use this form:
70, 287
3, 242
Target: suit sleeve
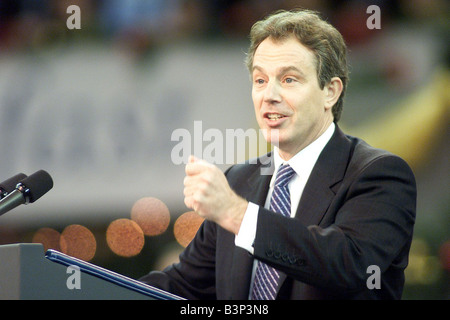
194, 276
369, 222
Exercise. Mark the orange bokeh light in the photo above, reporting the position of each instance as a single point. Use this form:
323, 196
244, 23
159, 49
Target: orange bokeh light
48, 237
79, 242
152, 215
124, 237
186, 226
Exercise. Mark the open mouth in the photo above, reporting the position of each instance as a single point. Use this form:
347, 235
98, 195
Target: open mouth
274, 116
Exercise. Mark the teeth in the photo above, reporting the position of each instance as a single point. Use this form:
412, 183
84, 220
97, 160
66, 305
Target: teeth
274, 116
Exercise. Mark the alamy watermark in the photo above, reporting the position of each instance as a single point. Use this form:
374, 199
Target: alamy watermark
74, 280
374, 20
74, 20
218, 147
374, 280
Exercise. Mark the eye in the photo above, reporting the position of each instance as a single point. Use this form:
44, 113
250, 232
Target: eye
259, 81
289, 80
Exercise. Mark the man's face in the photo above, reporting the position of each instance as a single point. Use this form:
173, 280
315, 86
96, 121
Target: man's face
287, 97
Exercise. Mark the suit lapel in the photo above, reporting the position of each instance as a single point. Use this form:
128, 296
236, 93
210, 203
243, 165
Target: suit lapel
327, 173
258, 185
254, 191
316, 198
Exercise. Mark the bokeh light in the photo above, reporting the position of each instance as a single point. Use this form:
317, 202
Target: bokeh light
50, 238
423, 268
79, 242
152, 215
9, 235
124, 237
186, 226
444, 255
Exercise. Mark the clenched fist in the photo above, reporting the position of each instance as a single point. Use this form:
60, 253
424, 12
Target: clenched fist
207, 192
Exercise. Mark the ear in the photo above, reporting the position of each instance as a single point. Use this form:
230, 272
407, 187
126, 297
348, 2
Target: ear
333, 91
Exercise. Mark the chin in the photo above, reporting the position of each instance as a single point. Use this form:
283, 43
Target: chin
272, 136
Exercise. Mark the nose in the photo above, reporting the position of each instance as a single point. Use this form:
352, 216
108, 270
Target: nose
272, 92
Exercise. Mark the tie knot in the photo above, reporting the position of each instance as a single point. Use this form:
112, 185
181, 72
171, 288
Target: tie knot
284, 174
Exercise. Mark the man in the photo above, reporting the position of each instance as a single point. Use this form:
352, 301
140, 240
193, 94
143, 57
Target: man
342, 227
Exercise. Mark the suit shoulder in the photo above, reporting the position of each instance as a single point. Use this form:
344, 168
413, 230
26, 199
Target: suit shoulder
248, 168
365, 155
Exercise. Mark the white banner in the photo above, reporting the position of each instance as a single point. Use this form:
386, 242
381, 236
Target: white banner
101, 123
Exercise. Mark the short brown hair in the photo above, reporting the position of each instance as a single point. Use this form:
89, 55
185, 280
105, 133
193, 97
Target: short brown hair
313, 32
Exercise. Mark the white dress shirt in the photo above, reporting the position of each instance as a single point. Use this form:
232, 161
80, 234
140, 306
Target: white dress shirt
302, 163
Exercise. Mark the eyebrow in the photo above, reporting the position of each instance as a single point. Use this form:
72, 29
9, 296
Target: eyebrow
292, 68
283, 70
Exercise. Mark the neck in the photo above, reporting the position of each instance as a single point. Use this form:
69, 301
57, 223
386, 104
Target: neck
286, 152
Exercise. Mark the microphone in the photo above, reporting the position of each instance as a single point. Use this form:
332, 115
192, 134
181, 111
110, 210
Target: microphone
27, 191
10, 184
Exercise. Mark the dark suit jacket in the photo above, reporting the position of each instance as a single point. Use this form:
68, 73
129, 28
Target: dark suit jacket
357, 210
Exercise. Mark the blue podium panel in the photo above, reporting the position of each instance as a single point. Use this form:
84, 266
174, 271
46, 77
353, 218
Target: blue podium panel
27, 273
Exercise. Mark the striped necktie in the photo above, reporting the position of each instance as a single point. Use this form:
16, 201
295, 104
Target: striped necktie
266, 278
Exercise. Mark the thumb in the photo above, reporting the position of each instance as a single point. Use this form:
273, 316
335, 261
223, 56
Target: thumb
193, 159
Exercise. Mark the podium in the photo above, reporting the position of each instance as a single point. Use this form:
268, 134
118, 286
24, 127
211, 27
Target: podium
28, 273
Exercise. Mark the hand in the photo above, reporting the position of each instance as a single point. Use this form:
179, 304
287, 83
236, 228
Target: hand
207, 192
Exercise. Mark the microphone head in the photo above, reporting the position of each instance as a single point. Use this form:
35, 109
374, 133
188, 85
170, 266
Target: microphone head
38, 184
11, 183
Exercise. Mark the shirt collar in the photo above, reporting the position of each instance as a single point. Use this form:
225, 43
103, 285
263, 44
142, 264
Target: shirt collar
304, 161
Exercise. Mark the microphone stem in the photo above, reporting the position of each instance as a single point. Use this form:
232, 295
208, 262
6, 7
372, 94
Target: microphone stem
12, 200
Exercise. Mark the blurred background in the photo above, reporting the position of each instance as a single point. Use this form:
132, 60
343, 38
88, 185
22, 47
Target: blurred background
96, 107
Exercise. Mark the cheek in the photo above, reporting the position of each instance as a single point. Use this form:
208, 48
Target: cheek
302, 102
256, 101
